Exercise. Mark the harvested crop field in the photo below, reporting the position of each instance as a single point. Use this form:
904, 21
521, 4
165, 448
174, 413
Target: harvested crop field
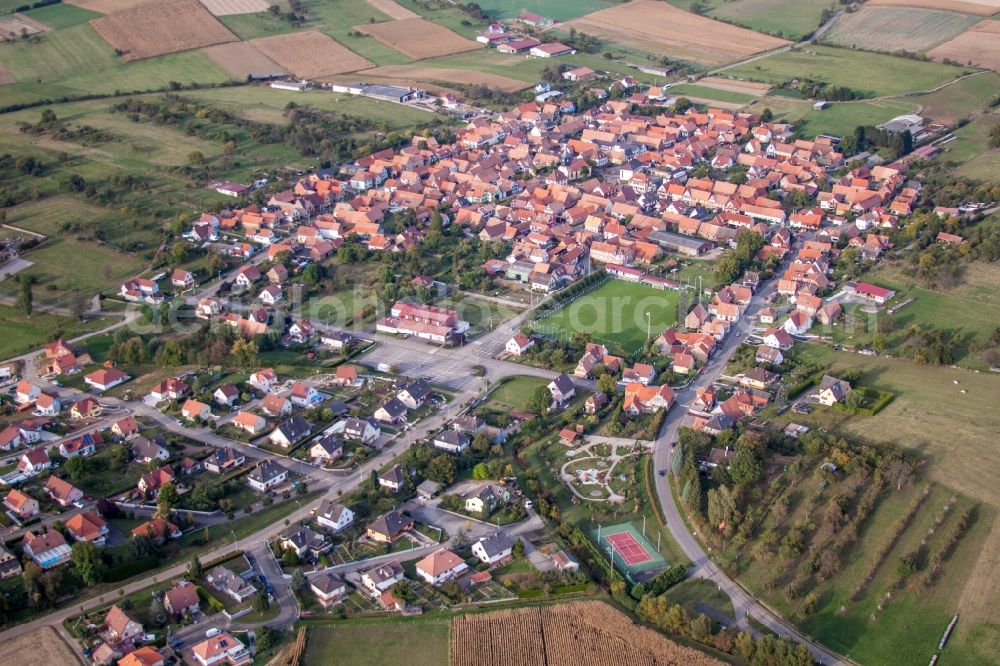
393, 9
584, 632
892, 29
163, 27
980, 45
661, 28
746, 87
418, 38
229, 7
413, 73
41, 647
16, 25
978, 7
311, 54
241, 60
108, 6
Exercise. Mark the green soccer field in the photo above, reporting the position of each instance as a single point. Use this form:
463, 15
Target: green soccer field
615, 314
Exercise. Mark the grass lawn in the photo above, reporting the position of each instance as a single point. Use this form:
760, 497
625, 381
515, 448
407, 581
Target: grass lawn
791, 19
872, 74
615, 314
953, 431
970, 149
839, 118
22, 334
62, 15
337, 18
60, 52
516, 392
267, 105
705, 92
693, 594
66, 265
254, 26
364, 642
970, 311
960, 99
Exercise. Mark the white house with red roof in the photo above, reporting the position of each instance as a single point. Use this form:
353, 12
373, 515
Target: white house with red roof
105, 378
519, 344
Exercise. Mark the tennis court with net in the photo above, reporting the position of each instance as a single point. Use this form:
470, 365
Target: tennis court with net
632, 553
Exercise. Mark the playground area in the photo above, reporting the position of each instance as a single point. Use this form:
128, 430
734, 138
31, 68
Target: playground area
631, 552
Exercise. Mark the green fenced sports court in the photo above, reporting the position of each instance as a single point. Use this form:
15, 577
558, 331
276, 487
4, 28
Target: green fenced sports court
630, 551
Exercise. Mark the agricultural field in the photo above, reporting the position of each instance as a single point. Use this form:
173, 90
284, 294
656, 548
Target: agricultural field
310, 54
264, 104
60, 53
977, 7
930, 415
980, 45
407, 73
107, 6
791, 19
971, 149
418, 39
615, 314
838, 119
859, 609
230, 7
393, 9
241, 60
693, 90
558, 10
971, 310
62, 15
337, 18
872, 74
418, 642
959, 100
583, 632
158, 28
751, 88
891, 29
665, 30
40, 646
16, 26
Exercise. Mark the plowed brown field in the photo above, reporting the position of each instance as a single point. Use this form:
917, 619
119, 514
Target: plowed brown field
241, 60
661, 28
157, 28
979, 45
418, 38
311, 54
